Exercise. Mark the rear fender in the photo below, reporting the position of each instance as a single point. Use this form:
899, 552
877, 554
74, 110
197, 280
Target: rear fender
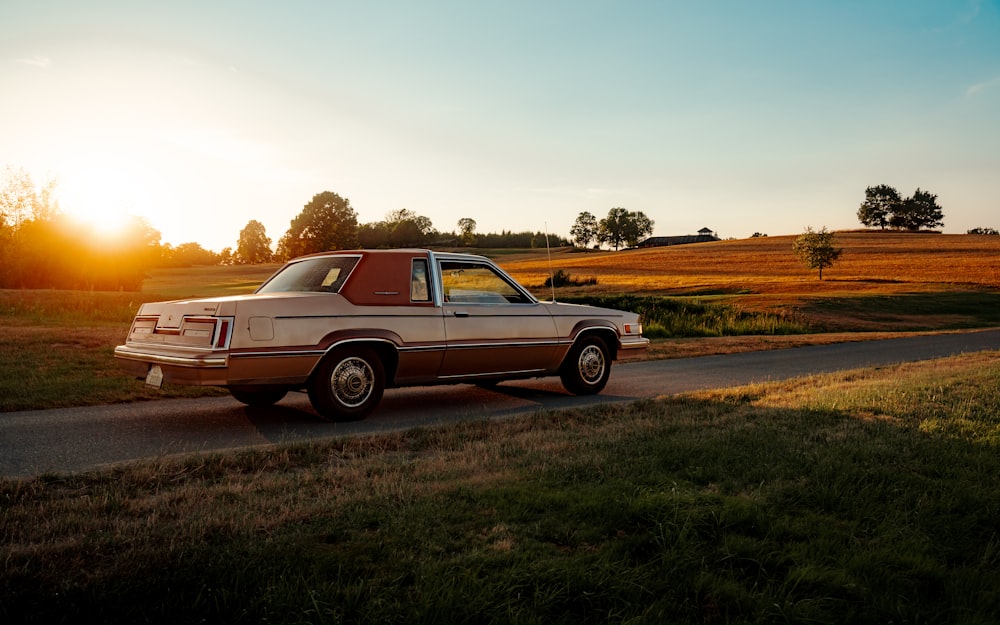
385, 343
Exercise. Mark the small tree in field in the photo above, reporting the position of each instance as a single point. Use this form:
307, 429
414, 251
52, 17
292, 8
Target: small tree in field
467, 230
816, 249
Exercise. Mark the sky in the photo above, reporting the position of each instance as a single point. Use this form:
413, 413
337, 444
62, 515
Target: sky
766, 116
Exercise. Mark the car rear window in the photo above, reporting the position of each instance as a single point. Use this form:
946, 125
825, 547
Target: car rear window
322, 275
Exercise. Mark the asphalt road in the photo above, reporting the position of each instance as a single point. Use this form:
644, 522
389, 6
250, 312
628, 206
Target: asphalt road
76, 439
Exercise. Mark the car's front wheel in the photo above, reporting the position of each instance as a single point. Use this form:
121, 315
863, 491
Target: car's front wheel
587, 366
258, 396
348, 384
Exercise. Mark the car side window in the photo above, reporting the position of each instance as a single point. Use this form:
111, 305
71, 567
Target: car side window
419, 281
475, 283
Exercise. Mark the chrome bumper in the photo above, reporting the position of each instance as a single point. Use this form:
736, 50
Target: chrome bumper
201, 361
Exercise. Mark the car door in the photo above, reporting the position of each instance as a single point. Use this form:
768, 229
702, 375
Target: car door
492, 326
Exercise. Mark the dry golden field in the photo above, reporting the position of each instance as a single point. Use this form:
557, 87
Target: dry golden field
872, 263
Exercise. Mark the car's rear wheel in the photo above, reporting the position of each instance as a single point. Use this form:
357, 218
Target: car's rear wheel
587, 366
253, 396
348, 384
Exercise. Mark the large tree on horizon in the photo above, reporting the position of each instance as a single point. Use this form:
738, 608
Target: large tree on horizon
623, 227
254, 246
918, 211
326, 223
467, 230
879, 205
584, 229
884, 206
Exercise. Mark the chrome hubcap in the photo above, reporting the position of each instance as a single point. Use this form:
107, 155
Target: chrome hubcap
591, 364
352, 382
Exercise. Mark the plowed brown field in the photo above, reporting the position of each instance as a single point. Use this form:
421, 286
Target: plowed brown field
872, 263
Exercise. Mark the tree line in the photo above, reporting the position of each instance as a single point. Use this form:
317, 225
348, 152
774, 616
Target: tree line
41, 248
329, 222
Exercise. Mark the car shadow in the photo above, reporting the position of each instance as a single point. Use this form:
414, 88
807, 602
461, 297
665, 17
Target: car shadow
294, 419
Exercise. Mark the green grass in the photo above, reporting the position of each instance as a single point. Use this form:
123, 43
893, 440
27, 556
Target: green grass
206, 281
69, 308
68, 365
677, 317
914, 311
862, 497
56, 347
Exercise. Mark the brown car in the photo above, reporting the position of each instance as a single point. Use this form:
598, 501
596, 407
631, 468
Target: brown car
346, 325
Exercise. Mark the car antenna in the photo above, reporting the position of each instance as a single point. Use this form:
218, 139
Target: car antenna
552, 278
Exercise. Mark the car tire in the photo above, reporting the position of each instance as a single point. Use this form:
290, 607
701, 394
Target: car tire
587, 366
348, 384
252, 396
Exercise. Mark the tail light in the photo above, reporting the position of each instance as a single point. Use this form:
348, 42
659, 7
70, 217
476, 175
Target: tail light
224, 327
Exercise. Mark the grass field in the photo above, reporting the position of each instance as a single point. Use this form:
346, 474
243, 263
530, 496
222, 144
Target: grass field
864, 497
56, 346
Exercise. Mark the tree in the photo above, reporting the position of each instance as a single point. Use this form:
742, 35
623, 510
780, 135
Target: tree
883, 206
623, 227
373, 235
326, 223
920, 211
254, 246
982, 230
400, 228
816, 249
35, 243
42, 248
408, 229
881, 202
467, 228
21, 200
584, 229
187, 255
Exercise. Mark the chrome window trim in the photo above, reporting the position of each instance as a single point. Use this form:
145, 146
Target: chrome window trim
469, 259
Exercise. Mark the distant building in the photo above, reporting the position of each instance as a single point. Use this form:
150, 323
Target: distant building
704, 235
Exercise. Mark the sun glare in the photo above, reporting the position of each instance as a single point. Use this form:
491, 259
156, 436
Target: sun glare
101, 200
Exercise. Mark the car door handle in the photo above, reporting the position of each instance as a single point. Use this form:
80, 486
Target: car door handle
460, 313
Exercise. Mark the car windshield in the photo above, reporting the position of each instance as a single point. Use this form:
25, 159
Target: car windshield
325, 274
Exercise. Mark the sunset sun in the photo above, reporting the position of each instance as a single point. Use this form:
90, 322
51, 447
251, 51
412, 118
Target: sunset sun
102, 199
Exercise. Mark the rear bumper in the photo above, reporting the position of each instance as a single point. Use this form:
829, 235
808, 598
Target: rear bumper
178, 366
